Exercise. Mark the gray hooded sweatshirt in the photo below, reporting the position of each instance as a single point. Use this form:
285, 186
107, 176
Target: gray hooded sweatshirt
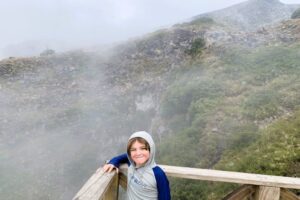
148, 182
141, 181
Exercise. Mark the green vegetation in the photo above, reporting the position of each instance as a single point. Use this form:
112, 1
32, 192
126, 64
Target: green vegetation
202, 21
217, 115
261, 105
180, 97
196, 47
276, 152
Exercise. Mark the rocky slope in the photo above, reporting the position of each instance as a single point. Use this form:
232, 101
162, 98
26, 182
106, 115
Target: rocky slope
61, 114
252, 14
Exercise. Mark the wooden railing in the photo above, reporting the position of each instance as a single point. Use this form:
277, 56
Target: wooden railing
256, 187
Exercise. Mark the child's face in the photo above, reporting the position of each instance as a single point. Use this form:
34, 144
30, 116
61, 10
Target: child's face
139, 153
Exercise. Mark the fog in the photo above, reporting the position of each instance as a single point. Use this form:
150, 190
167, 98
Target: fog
30, 26
60, 121
58, 124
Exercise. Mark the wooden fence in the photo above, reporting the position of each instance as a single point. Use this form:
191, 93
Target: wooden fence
254, 186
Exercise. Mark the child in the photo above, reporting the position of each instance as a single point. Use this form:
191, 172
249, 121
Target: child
145, 180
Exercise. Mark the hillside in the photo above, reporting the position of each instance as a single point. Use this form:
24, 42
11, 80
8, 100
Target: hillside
205, 89
252, 14
225, 100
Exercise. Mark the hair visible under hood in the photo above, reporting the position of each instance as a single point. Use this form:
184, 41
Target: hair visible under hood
146, 136
144, 182
137, 139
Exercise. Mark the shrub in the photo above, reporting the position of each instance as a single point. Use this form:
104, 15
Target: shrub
261, 105
242, 136
202, 20
274, 152
196, 47
178, 98
199, 110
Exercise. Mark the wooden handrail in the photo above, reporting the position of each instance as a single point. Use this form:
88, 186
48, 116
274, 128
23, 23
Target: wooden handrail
104, 185
232, 177
97, 186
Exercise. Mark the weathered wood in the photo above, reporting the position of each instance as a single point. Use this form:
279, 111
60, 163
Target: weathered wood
123, 180
243, 192
113, 190
232, 177
267, 193
288, 195
96, 187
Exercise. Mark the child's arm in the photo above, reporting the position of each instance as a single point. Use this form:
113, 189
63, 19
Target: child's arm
162, 183
121, 159
115, 162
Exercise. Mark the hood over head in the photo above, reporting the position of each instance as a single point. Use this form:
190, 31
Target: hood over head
146, 136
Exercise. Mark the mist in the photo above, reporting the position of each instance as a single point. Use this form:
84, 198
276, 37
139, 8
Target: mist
62, 115
30, 26
58, 124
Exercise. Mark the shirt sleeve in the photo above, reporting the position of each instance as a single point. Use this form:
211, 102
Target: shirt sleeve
118, 160
162, 183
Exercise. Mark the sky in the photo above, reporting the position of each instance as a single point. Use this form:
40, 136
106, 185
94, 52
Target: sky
32, 25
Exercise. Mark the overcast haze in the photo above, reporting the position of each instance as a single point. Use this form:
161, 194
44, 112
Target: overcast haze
28, 26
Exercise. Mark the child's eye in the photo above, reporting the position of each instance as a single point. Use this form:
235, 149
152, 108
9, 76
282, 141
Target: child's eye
141, 149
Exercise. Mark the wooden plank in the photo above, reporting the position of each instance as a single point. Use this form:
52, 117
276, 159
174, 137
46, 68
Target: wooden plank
96, 186
99, 183
288, 195
123, 180
232, 177
268, 193
113, 191
242, 192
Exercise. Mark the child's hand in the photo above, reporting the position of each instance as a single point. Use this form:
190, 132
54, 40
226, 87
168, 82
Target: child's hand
109, 168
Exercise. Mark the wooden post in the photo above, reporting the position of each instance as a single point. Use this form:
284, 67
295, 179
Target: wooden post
267, 193
113, 191
123, 180
98, 186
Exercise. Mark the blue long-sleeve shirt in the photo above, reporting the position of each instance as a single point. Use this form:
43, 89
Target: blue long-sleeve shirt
162, 183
